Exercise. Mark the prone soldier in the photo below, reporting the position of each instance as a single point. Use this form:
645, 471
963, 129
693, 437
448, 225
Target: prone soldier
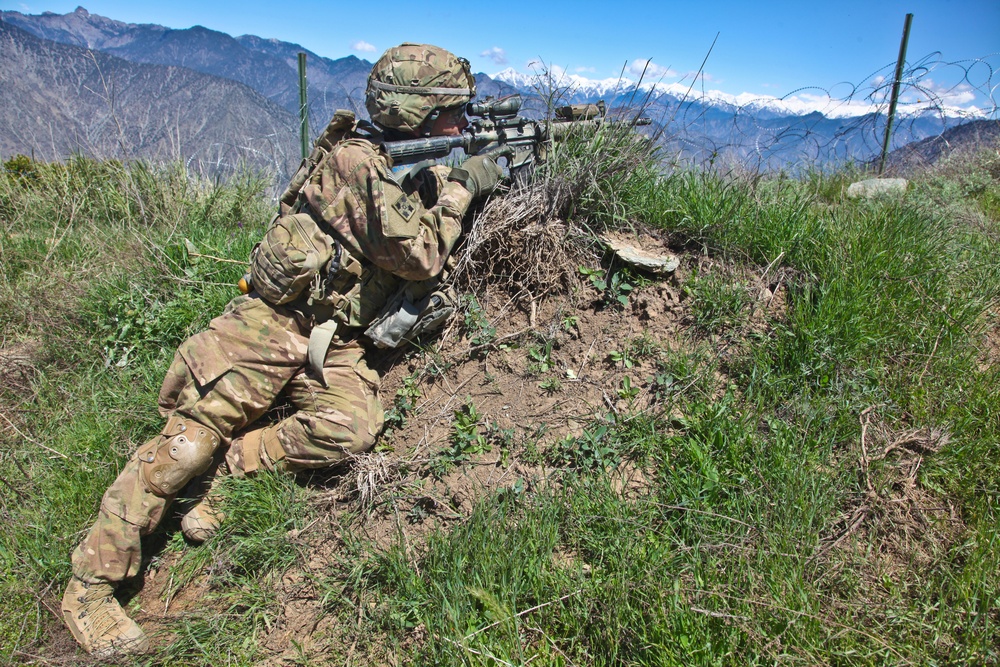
348, 238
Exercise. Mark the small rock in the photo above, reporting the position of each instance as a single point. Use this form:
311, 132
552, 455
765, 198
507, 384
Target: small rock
629, 252
875, 187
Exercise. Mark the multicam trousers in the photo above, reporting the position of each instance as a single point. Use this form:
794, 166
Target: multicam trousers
226, 378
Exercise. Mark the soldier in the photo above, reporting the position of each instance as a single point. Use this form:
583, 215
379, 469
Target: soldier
348, 236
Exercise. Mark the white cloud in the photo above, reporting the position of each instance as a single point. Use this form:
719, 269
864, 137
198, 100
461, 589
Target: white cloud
496, 54
580, 70
363, 46
652, 70
924, 91
939, 93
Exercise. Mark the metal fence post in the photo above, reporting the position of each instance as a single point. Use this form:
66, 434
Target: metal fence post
303, 107
895, 92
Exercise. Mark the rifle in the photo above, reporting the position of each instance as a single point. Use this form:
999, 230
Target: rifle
497, 130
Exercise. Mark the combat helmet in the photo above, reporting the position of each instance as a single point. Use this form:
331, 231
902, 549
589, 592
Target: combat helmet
411, 84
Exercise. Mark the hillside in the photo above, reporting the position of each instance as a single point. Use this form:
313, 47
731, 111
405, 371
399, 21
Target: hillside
783, 451
962, 141
61, 99
268, 66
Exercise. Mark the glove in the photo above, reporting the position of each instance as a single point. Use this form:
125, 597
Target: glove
480, 175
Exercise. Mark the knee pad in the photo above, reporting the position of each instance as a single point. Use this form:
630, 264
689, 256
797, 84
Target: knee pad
182, 451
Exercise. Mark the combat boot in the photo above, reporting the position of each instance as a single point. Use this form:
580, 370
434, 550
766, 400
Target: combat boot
203, 520
98, 622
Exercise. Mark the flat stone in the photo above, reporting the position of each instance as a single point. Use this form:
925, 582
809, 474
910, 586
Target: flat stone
875, 187
631, 252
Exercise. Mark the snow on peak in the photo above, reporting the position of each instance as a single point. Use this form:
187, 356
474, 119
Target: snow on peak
556, 77
800, 103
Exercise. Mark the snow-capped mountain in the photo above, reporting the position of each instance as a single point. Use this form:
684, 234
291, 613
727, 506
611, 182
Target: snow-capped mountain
854, 102
807, 127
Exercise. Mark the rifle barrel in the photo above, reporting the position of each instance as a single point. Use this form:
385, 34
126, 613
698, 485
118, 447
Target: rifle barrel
409, 151
522, 133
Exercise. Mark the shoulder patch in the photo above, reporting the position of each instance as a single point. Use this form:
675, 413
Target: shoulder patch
405, 207
400, 220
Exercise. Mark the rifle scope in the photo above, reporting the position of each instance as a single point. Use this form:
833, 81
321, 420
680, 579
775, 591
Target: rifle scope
493, 108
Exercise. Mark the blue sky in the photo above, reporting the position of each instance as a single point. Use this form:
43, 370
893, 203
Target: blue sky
765, 48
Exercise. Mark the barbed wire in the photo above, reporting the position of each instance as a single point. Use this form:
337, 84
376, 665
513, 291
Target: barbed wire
848, 123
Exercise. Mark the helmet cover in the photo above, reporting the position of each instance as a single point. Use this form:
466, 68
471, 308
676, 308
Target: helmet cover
412, 81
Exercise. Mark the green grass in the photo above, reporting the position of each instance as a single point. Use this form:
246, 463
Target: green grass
97, 279
738, 549
242, 561
730, 556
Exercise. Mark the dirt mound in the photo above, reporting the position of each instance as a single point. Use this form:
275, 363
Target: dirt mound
470, 414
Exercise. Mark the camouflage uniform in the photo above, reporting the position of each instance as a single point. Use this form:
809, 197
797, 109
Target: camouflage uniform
223, 379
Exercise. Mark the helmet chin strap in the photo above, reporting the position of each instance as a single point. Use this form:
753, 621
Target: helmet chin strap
428, 124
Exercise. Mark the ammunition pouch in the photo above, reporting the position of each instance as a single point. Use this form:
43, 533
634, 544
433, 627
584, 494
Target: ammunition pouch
296, 253
296, 257
289, 258
182, 451
417, 308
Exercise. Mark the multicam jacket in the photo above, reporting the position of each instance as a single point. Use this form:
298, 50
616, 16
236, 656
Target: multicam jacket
350, 231
407, 229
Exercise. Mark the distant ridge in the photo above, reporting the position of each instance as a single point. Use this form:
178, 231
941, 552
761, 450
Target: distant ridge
964, 139
268, 66
59, 99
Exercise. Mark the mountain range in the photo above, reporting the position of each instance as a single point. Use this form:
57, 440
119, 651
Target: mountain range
60, 99
83, 82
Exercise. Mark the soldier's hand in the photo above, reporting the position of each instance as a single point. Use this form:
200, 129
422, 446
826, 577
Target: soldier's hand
479, 174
